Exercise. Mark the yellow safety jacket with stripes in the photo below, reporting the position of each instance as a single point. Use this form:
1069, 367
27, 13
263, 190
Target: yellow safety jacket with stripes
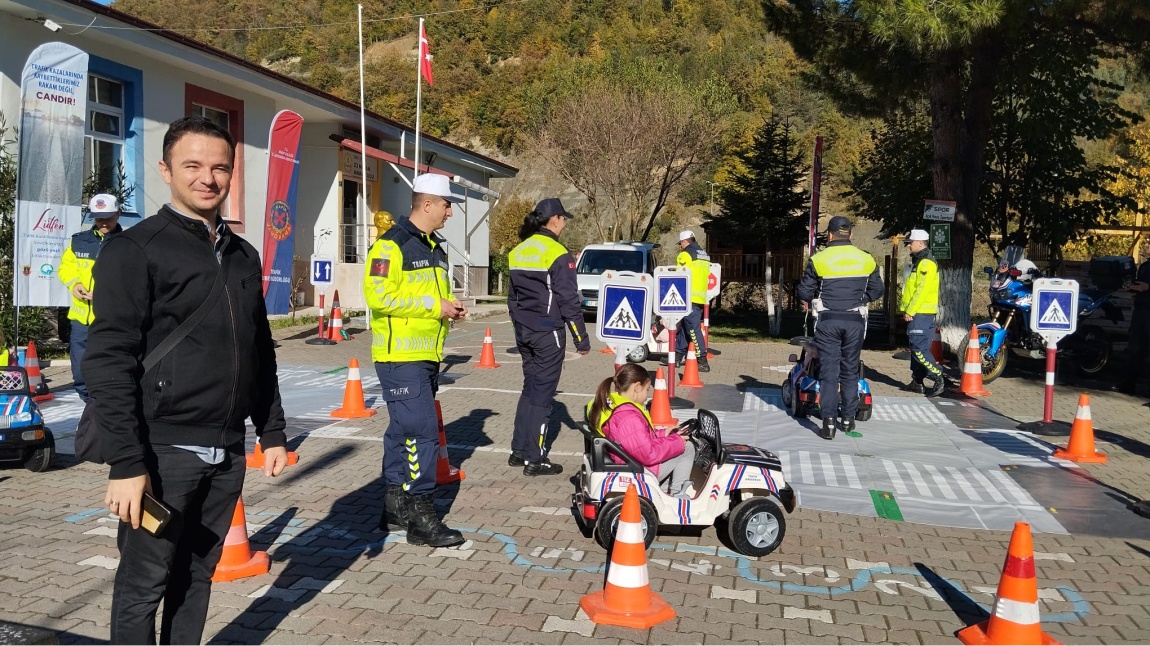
544, 292
615, 401
699, 263
920, 293
843, 276
405, 277
76, 267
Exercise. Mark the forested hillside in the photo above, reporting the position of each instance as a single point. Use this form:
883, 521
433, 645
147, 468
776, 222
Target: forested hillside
498, 64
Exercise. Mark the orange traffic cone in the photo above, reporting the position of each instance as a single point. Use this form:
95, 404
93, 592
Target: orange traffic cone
661, 403
972, 369
936, 346
353, 395
1015, 618
335, 325
1081, 446
627, 599
487, 357
691, 369
444, 472
255, 459
36, 384
606, 350
238, 561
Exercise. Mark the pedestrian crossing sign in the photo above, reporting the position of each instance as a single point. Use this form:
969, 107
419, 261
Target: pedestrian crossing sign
1055, 310
672, 293
624, 309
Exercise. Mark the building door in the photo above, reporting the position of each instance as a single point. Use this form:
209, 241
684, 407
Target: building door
348, 221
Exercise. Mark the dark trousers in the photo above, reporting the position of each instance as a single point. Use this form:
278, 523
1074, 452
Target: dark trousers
1138, 347
77, 345
411, 441
839, 340
691, 331
920, 333
542, 352
176, 566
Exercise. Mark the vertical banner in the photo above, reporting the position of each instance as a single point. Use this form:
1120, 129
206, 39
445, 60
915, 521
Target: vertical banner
816, 185
49, 189
279, 211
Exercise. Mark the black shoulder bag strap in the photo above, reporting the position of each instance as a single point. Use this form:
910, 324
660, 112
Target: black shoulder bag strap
190, 323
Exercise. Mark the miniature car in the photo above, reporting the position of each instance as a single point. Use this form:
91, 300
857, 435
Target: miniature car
23, 435
739, 484
801, 387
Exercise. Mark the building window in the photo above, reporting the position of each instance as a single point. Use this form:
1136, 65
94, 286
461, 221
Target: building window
104, 134
228, 113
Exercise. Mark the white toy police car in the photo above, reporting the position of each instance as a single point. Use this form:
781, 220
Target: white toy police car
740, 484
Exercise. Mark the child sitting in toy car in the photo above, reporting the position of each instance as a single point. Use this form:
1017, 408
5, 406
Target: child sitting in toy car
617, 413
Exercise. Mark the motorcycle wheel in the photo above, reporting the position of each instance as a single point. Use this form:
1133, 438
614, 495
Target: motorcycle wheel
1091, 350
992, 367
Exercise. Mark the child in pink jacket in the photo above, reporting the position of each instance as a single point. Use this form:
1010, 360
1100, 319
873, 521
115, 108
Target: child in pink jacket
617, 413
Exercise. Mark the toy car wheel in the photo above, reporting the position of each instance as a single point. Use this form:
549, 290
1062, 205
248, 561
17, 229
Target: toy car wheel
608, 522
756, 527
863, 415
788, 392
638, 355
40, 460
798, 407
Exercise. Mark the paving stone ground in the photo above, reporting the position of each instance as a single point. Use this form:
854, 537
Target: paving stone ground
837, 578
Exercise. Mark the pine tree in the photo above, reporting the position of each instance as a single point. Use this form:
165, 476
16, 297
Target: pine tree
764, 204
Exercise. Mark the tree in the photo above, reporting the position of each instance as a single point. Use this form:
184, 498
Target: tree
764, 204
627, 145
876, 55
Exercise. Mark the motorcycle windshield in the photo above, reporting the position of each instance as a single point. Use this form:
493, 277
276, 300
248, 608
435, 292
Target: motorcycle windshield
1012, 254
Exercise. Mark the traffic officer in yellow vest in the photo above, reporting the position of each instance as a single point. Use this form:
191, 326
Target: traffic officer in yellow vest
919, 304
76, 274
544, 306
691, 326
407, 287
838, 283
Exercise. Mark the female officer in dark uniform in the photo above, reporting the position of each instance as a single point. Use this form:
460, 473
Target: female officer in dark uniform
544, 303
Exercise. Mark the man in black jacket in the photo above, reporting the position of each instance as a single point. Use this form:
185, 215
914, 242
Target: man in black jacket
177, 430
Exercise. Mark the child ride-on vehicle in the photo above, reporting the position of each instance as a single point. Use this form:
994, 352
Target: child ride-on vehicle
23, 435
800, 389
742, 485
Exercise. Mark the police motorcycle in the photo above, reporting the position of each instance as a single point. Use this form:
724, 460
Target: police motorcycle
1011, 298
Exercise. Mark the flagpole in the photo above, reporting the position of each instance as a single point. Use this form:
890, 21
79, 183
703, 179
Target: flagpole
418, 98
362, 136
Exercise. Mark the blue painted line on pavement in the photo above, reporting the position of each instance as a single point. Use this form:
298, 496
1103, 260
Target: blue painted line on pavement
84, 514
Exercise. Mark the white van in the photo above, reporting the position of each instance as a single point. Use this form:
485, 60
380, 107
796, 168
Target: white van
595, 259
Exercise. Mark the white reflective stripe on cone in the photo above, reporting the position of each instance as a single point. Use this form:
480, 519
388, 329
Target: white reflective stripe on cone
1016, 611
1083, 412
236, 534
487, 339
660, 384
353, 374
629, 533
627, 576
972, 368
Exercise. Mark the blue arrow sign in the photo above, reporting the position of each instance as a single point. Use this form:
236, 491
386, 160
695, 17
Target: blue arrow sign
321, 272
624, 309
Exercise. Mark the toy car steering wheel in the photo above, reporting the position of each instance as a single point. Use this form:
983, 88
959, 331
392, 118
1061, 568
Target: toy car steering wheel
690, 426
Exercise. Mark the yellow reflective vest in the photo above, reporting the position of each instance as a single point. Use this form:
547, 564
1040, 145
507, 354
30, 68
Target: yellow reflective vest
920, 293
76, 267
697, 260
843, 276
615, 399
405, 277
545, 289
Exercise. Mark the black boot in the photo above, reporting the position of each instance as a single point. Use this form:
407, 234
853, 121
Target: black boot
395, 513
542, 468
703, 365
516, 459
846, 425
937, 388
828, 432
425, 528
915, 386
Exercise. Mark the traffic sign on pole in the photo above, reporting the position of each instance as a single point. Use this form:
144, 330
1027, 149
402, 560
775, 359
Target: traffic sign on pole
672, 294
1053, 315
322, 272
624, 317
714, 281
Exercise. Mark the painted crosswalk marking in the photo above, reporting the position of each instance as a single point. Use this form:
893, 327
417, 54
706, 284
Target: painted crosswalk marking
987, 485
829, 469
963, 485
916, 478
924, 413
763, 399
849, 471
943, 486
1013, 489
895, 478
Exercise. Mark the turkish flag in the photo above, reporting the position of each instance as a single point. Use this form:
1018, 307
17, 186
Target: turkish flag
424, 55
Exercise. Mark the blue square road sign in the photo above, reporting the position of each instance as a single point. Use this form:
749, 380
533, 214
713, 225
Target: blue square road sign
1055, 311
623, 308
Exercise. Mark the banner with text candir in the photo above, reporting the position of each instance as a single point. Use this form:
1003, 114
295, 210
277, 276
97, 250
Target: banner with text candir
279, 212
50, 182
